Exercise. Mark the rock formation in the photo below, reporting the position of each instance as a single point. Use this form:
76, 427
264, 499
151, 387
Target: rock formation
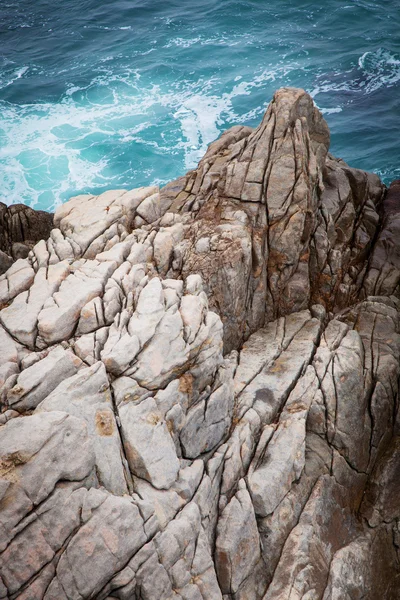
199, 384
20, 228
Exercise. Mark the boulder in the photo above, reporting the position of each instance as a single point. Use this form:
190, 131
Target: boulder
21, 225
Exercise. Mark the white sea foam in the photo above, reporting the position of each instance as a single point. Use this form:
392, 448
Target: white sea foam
38, 166
380, 68
182, 43
14, 76
388, 174
331, 111
51, 151
213, 40
376, 69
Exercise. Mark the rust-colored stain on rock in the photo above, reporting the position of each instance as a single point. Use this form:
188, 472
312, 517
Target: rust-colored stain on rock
105, 423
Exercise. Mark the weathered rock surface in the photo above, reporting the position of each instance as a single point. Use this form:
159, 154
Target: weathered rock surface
199, 384
20, 228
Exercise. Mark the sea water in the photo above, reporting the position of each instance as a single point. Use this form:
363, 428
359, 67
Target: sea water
103, 94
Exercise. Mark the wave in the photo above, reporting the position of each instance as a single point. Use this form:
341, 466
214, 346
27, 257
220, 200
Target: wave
106, 28
50, 151
375, 70
380, 68
8, 79
215, 40
331, 111
110, 132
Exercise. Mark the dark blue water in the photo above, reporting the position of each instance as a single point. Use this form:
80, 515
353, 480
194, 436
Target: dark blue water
101, 94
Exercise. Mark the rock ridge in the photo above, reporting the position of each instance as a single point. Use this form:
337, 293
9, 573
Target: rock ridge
199, 384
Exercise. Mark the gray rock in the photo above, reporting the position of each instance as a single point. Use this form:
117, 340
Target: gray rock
87, 395
36, 452
199, 384
39, 380
148, 445
238, 544
20, 223
5, 262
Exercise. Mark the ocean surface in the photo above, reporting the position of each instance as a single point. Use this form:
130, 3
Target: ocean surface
103, 94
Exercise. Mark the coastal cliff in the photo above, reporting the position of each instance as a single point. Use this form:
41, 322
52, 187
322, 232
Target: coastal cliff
199, 384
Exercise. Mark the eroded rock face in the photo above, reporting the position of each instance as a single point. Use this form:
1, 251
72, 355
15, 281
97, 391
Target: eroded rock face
199, 385
20, 228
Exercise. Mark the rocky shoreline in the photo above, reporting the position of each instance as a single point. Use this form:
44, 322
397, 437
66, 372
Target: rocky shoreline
199, 385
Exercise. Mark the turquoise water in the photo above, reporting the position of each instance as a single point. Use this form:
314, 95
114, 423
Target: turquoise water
102, 94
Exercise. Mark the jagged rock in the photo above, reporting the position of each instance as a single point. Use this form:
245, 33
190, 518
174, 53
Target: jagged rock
5, 262
21, 226
199, 384
383, 274
148, 444
15, 280
87, 396
37, 381
237, 546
